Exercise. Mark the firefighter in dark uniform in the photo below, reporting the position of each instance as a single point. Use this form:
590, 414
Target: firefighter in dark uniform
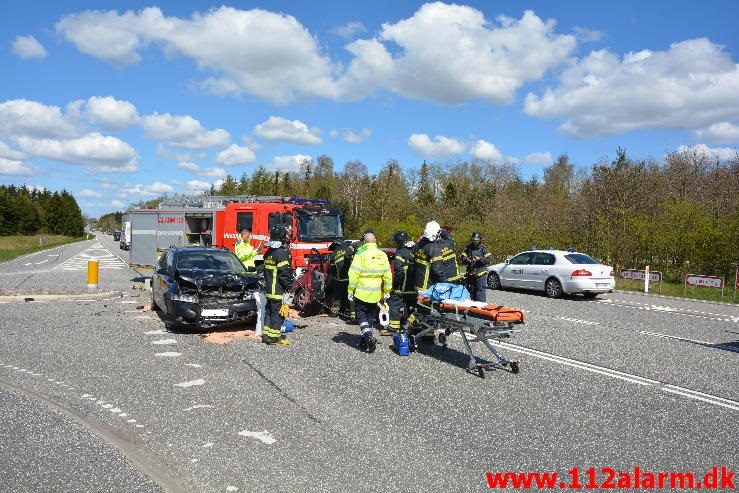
435, 258
403, 295
278, 281
341, 260
476, 257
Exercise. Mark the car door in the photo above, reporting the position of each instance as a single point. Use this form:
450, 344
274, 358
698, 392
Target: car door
511, 274
538, 271
161, 279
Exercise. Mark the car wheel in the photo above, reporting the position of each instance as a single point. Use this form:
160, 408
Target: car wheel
493, 280
302, 299
553, 288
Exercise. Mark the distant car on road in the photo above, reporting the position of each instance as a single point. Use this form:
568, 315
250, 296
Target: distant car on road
203, 286
117, 235
556, 272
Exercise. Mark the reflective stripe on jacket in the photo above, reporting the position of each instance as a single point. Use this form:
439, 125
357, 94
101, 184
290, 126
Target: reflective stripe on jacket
278, 274
369, 274
246, 254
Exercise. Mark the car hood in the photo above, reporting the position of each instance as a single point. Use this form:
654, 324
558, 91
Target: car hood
209, 279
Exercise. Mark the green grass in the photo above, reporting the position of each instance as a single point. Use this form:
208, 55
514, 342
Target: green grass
15, 246
677, 289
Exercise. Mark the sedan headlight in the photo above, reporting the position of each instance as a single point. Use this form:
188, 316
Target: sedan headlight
186, 298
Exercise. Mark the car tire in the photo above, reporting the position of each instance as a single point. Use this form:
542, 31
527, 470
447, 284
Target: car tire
493, 281
553, 288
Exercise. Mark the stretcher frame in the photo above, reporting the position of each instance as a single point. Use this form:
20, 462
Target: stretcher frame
465, 322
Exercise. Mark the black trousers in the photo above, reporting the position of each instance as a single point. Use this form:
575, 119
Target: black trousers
340, 299
399, 305
476, 286
368, 315
272, 319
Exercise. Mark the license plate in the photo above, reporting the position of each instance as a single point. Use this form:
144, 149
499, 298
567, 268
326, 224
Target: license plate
602, 285
214, 313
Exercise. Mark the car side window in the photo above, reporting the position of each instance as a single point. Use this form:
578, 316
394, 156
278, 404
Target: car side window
162, 264
520, 259
543, 259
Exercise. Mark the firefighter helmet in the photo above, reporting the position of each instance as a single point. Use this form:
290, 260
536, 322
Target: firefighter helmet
401, 238
278, 232
432, 230
476, 236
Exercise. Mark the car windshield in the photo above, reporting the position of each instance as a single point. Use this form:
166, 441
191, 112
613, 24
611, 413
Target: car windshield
210, 260
320, 226
580, 258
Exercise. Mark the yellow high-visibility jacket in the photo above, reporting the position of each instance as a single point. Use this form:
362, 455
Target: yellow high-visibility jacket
369, 275
246, 254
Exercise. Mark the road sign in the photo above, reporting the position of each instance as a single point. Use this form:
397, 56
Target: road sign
654, 276
704, 281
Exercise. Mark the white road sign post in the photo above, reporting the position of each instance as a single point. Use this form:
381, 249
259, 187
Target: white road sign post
643, 275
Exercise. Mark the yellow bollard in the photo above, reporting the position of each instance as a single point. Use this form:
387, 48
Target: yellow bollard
92, 274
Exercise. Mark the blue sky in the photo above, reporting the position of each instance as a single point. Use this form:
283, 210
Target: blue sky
123, 101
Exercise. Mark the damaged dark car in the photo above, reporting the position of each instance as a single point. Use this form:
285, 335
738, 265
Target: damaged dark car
202, 287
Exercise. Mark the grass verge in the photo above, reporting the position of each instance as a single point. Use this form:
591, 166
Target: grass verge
680, 291
15, 246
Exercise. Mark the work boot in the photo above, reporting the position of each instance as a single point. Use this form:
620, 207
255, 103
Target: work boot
371, 344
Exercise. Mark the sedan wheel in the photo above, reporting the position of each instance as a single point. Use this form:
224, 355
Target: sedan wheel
493, 280
553, 288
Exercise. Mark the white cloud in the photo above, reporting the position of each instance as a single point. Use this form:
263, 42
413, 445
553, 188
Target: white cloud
288, 163
349, 30
183, 131
277, 128
152, 190
333, 133
486, 151
103, 153
28, 47
117, 204
724, 133
722, 153
88, 194
111, 113
188, 165
211, 172
7, 152
197, 186
539, 158
587, 35
108, 185
464, 56
353, 138
266, 54
15, 168
440, 147
235, 155
692, 85
461, 54
20, 117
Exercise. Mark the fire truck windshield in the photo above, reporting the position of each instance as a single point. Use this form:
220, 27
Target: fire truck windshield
320, 225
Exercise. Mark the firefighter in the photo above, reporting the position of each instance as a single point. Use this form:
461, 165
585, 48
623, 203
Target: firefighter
341, 260
435, 258
370, 282
403, 296
246, 252
476, 257
278, 280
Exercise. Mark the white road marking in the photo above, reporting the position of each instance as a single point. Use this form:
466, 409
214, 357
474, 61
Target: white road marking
106, 260
191, 383
115, 410
693, 394
194, 365
198, 406
157, 332
164, 342
127, 302
29, 263
686, 312
578, 321
262, 436
231, 488
208, 445
42, 262
667, 336
168, 355
131, 421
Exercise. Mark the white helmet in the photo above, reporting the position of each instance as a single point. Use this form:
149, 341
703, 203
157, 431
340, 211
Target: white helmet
432, 230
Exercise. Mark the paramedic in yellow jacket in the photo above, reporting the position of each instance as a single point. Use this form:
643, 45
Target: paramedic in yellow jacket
245, 251
370, 282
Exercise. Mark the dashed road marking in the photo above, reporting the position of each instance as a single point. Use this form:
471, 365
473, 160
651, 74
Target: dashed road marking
192, 383
198, 406
262, 436
164, 342
168, 354
106, 259
686, 312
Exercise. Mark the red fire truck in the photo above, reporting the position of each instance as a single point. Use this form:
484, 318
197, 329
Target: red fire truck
217, 220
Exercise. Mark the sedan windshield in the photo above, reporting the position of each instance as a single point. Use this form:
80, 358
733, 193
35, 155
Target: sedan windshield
320, 227
580, 258
210, 260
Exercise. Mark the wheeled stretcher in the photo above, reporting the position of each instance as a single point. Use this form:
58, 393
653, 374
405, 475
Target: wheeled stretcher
474, 321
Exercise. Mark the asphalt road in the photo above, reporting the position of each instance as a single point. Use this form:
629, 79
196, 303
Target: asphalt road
626, 380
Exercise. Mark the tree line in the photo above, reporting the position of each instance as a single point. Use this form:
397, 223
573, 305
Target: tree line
679, 215
25, 211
